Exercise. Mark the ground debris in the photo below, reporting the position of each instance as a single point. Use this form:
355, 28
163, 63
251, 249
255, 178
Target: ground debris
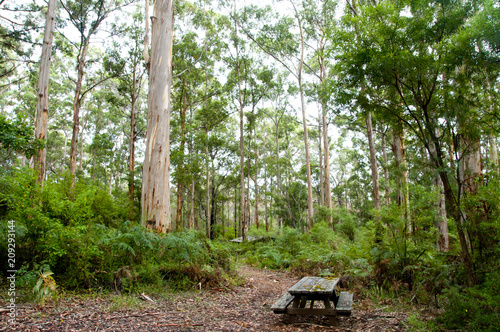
245, 308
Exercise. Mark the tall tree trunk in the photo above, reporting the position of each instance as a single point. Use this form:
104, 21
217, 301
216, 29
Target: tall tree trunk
131, 157
441, 218
213, 210
386, 172
77, 104
402, 173
306, 132
278, 166
191, 208
242, 149
181, 168
443, 242
207, 193
42, 103
326, 145
84, 121
266, 215
156, 170
320, 156
452, 204
256, 203
493, 151
373, 162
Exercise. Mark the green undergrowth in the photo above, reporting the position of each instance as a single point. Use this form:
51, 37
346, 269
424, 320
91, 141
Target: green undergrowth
83, 237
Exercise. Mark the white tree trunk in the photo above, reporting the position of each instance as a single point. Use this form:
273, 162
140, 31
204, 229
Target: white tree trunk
42, 107
443, 242
373, 162
493, 150
306, 132
156, 169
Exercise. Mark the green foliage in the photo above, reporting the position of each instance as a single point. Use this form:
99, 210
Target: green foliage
292, 205
344, 222
311, 253
45, 287
16, 136
473, 309
82, 236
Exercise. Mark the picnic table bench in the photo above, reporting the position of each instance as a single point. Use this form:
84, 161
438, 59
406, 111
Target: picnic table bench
314, 289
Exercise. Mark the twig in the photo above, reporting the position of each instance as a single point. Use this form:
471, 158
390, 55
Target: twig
127, 316
173, 324
146, 297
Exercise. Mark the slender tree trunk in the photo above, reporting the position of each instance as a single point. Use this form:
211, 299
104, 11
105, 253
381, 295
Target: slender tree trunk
156, 208
443, 242
373, 162
42, 104
181, 169
400, 158
306, 132
320, 155
326, 145
386, 172
207, 194
213, 210
84, 121
493, 150
266, 215
242, 153
452, 204
131, 157
145, 53
191, 209
256, 204
77, 104
278, 167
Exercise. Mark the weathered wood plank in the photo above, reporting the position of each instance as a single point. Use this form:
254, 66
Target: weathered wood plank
314, 285
280, 305
311, 311
344, 304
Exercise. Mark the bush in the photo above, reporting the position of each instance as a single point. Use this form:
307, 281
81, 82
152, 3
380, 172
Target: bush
473, 309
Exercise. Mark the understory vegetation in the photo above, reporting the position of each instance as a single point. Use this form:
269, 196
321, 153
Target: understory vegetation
83, 237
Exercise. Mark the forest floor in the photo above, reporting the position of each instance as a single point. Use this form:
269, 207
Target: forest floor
242, 308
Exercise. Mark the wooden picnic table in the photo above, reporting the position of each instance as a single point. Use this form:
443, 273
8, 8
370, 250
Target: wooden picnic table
314, 289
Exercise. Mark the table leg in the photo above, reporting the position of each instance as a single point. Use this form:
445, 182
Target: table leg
295, 305
332, 319
303, 301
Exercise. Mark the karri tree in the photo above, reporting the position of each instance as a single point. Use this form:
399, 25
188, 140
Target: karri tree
155, 199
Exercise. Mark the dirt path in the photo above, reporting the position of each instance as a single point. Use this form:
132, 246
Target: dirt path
245, 308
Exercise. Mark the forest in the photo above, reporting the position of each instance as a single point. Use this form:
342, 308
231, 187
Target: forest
351, 138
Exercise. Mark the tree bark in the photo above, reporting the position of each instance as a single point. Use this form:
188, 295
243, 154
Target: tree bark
156, 170
242, 148
443, 242
77, 104
373, 162
181, 168
131, 157
42, 105
386, 172
326, 145
493, 150
256, 203
207, 193
306, 132
402, 176
320, 162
